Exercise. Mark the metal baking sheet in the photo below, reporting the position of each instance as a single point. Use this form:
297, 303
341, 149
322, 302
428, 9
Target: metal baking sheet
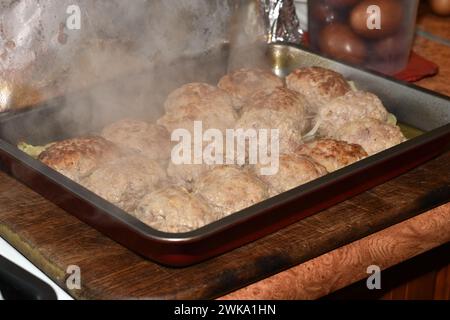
418, 108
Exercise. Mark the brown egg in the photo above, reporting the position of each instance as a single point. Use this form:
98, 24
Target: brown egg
390, 47
390, 20
340, 42
340, 3
324, 13
440, 7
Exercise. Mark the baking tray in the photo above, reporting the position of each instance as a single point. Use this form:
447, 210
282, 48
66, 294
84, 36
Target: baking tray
419, 108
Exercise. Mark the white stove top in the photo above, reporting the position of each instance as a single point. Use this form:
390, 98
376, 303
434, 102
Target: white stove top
14, 256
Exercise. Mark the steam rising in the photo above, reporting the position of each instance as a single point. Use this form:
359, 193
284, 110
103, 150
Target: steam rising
248, 42
123, 61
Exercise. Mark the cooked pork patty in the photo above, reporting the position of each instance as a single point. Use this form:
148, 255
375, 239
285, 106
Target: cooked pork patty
353, 106
289, 128
211, 116
228, 189
318, 85
151, 140
186, 174
197, 93
332, 154
373, 135
175, 210
281, 100
126, 181
294, 170
79, 157
242, 83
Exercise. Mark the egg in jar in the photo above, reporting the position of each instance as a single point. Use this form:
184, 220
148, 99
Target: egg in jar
340, 42
376, 19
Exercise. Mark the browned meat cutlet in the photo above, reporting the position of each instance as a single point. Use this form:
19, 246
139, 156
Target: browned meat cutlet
211, 116
332, 154
353, 106
126, 181
197, 93
186, 174
79, 157
281, 100
373, 135
278, 108
289, 128
318, 85
174, 210
150, 140
228, 189
294, 170
243, 83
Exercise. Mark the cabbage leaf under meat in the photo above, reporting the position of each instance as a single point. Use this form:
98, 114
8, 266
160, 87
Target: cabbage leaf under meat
32, 151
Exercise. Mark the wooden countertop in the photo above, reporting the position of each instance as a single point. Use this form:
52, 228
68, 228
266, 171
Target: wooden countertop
324, 244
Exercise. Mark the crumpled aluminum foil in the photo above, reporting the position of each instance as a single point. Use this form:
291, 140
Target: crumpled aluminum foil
281, 21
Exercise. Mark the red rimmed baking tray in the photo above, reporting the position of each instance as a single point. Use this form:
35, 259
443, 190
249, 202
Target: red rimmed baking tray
427, 111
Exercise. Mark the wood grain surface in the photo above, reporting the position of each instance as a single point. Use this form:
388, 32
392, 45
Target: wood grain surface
442, 281
418, 277
54, 240
349, 263
434, 51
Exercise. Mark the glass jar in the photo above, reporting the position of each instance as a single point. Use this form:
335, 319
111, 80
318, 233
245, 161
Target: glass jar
377, 34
